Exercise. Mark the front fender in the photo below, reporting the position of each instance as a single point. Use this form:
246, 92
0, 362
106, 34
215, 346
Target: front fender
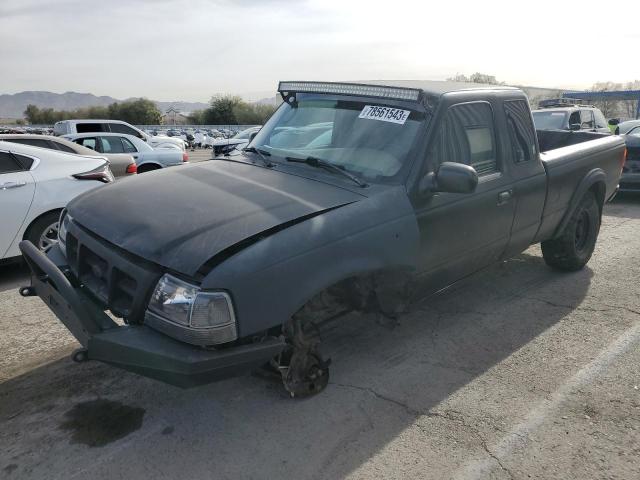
271, 280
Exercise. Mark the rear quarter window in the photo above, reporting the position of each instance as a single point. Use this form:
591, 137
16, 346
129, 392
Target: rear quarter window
8, 163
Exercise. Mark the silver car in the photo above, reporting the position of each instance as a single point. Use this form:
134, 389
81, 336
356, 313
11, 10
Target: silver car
121, 164
145, 156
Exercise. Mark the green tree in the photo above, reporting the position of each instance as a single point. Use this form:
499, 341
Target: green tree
475, 78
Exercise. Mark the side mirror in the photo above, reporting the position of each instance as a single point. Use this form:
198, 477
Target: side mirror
574, 127
451, 177
252, 136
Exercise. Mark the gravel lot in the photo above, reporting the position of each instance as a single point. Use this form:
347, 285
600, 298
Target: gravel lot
519, 372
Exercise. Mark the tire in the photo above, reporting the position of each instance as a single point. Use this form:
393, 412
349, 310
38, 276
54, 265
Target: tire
43, 232
573, 248
147, 168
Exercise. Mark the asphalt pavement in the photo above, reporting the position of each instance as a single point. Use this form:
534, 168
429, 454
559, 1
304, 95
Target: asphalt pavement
518, 372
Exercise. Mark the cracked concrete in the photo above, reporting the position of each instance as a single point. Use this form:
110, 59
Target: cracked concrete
494, 378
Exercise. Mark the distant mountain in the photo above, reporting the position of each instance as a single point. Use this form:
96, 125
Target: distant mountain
13, 105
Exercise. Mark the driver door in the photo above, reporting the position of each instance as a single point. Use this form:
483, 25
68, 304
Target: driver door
462, 233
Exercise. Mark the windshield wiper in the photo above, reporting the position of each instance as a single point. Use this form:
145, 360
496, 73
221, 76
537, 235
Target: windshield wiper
320, 163
262, 154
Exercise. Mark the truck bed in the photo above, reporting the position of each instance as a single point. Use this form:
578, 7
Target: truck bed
568, 157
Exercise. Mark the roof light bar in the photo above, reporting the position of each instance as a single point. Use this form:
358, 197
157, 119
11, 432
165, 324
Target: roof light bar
396, 93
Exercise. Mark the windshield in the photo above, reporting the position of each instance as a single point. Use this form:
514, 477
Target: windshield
549, 120
368, 139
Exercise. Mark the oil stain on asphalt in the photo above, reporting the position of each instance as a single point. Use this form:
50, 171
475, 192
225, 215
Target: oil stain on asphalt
97, 423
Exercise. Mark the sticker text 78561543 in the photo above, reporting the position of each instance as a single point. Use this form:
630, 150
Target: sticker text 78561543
385, 114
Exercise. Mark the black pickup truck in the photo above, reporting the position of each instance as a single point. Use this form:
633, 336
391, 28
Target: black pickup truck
350, 197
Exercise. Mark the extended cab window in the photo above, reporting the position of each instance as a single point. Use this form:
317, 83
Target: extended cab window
520, 128
8, 163
468, 136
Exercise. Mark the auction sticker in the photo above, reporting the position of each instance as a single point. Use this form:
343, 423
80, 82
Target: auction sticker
385, 114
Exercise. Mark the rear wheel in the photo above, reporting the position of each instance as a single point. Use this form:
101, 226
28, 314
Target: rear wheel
573, 248
43, 233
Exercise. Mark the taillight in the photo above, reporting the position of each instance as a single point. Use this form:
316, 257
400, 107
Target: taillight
102, 174
185, 157
132, 168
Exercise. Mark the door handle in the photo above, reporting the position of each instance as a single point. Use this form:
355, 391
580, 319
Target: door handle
505, 197
8, 185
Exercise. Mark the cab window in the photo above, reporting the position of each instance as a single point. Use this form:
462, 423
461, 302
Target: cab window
468, 136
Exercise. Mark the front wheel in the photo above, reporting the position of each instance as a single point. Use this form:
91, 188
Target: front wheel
573, 248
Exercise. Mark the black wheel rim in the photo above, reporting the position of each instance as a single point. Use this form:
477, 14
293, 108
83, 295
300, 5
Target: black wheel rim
582, 231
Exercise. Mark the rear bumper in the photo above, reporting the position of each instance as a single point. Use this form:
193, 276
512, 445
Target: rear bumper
136, 348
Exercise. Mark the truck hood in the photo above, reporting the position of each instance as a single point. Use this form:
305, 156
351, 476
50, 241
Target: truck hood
183, 216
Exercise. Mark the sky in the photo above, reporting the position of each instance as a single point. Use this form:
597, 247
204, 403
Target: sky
190, 50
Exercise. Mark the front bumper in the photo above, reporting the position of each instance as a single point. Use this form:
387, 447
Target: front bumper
136, 348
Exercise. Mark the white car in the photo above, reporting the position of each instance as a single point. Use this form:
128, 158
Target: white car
238, 141
72, 127
146, 158
35, 185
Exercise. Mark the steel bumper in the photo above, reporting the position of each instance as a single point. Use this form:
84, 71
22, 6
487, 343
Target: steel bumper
136, 348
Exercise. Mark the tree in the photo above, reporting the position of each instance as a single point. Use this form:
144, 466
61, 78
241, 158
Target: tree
475, 78
221, 110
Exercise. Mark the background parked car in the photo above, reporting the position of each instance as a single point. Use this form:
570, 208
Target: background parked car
625, 127
121, 164
35, 185
146, 157
239, 140
630, 179
561, 115
71, 127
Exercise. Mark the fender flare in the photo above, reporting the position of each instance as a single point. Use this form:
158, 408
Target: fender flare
594, 177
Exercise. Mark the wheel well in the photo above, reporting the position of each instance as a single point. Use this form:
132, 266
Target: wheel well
26, 230
147, 167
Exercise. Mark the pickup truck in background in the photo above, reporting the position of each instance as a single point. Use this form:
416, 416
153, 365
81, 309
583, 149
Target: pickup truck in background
568, 114
236, 265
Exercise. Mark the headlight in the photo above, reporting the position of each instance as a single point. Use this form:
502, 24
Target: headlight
201, 318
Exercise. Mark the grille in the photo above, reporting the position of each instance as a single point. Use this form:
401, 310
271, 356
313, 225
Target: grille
116, 282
